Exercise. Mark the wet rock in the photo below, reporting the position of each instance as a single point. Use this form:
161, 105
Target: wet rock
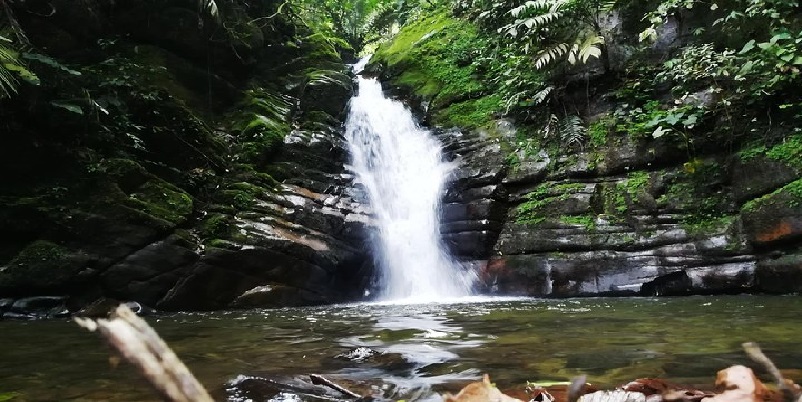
276, 295
358, 354
329, 95
758, 176
151, 272
99, 308
780, 275
774, 219
103, 306
608, 272
42, 266
675, 283
249, 388
38, 307
6, 303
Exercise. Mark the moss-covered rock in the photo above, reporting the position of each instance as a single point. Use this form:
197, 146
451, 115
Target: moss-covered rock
42, 266
775, 218
431, 58
163, 200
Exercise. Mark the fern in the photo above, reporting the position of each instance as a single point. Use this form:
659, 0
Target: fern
547, 56
572, 131
12, 69
209, 7
8, 83
541, 95
581, 51
552, 126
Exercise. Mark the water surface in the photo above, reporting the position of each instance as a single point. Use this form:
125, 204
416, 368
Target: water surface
430, 348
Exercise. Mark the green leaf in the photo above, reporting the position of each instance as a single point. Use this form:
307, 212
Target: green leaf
23, 73
49, 61
660, 131
779, 36
673, 119
747, 67
8, 396
748, 46
68, 106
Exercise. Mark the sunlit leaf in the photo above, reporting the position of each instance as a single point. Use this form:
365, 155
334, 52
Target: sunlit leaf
68, 106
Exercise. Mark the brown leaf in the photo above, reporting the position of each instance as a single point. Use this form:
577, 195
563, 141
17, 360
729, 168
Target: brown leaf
739, 384
482, 391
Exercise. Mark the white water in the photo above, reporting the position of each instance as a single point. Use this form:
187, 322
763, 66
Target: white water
402, 170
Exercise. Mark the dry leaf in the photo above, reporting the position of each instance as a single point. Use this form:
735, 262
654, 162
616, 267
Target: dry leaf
480, 392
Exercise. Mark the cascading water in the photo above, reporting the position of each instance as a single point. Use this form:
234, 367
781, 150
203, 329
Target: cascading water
402, 170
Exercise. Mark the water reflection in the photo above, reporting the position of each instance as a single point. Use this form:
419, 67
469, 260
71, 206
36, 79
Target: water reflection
426, 348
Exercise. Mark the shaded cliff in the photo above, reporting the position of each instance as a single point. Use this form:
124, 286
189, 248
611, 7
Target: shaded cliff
180, 157
632, 174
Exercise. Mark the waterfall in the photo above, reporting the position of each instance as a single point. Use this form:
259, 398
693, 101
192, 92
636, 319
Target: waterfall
403, 173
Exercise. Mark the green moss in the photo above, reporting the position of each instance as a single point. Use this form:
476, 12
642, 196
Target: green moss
261, 122
434, 58
215, 225
40, 252
598, 132
241, 200
620, 197
323, 48
9, 396
588, 221
473, 113
788, 152
222, 244
41, 264
793, 189
533, 210
163, 200
411, 37
702, 225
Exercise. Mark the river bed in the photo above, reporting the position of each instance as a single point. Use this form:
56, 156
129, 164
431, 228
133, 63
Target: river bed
428, 348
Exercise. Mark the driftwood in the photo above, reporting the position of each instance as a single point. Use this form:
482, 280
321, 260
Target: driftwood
140, 345
754, 353
320, 380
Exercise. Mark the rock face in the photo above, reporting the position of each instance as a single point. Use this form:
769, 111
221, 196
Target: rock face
594, 187
546, 227
210, 176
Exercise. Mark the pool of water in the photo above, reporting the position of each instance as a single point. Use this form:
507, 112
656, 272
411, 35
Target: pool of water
427, 348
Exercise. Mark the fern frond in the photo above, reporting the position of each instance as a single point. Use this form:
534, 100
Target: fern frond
209, 7
552, 126
548, 56
572, 131
8, 83
607, 5
541, 95
540, 21
538, 5
589, 48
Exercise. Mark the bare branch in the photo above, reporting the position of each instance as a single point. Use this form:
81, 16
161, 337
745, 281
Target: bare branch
138, 343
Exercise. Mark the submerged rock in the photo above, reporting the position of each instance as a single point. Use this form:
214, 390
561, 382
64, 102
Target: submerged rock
38, 307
